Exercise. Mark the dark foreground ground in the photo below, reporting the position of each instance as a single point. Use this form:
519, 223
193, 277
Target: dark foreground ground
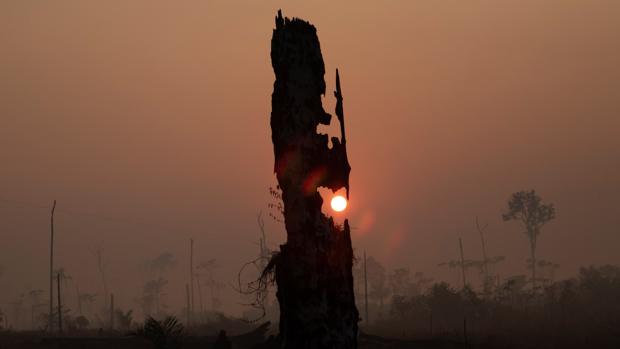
249, 341
18, 342
257, 340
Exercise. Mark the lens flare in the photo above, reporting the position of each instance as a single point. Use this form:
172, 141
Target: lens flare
339, 203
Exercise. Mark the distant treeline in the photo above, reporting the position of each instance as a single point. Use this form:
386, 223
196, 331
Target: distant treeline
577, 311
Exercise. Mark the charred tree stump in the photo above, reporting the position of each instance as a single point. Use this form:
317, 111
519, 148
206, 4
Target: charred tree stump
313, 269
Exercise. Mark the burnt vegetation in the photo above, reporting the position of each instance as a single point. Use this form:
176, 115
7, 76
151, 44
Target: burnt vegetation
313, 291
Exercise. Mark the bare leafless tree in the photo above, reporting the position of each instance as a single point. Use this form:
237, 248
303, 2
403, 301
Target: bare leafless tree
101, 268
51, 293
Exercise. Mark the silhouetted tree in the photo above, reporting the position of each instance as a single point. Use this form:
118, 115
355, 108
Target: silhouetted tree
151, 299
444, 303
161, 263
35, 303
17, 309
400, 281
313, 270
377, 282
51, 289
153, 290
214, 286
420, 282
528, 208
61, 273
358, 278
87, 300
460, 266
101, 269
487, 278
407, 285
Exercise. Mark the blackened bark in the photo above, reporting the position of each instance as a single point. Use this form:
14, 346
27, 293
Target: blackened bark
313, 270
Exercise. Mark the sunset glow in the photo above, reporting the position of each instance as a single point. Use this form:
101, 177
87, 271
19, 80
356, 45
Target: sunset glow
169, 152
339, 203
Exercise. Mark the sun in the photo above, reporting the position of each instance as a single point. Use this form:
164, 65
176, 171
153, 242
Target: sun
339, 203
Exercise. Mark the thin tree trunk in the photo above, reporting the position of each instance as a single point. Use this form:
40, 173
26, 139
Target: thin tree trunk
462, 263
465, 330
112, 311
188, 301
212, 291
533, 251
200, 298
51, 315
191, 278
485, 259
99, 253
366, 291
59, 305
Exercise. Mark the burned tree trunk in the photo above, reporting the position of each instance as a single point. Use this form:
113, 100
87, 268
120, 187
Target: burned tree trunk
313, 268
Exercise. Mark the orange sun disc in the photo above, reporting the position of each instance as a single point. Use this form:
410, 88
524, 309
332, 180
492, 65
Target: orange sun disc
339, 203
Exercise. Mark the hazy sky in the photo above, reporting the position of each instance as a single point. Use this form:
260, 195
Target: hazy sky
148, 121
